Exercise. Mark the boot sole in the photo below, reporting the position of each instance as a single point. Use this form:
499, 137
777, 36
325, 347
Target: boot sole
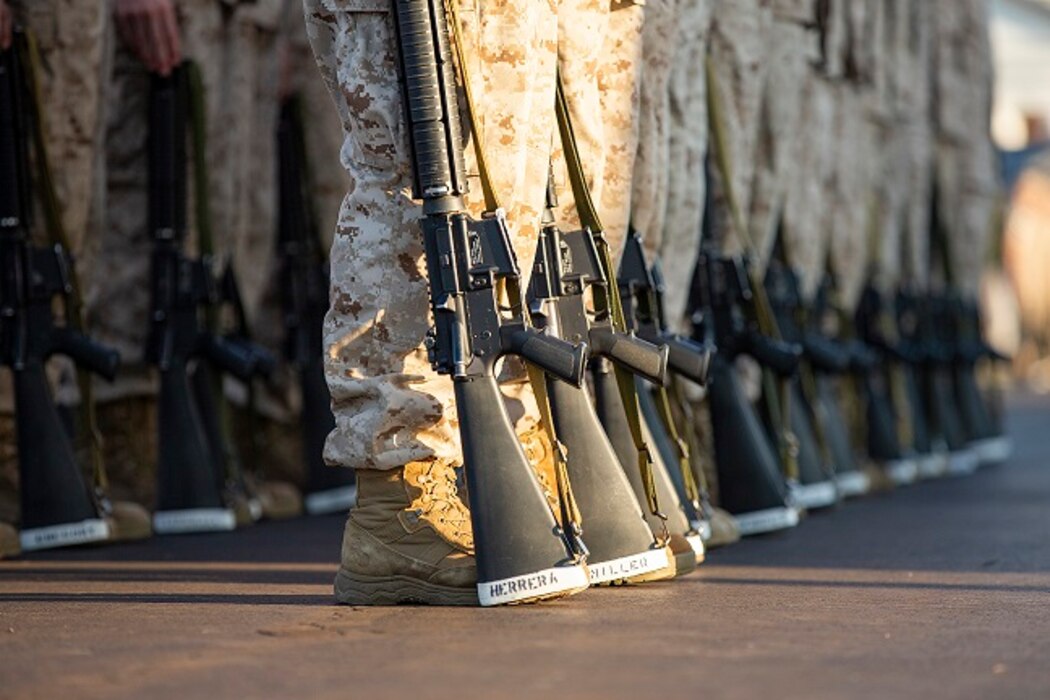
361, 589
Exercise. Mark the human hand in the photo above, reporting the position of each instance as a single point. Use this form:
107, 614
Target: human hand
151, 31
7, 22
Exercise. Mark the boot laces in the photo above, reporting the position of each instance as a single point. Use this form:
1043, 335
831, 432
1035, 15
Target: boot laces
440, 505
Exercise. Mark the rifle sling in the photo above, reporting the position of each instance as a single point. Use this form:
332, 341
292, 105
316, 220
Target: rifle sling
589, 218
776, 398
569, 517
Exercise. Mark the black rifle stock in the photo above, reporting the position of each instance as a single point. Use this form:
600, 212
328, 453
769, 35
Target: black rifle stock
567, 274
304, 283
750, 478
819, 353
478, 318
58, 508
883, 439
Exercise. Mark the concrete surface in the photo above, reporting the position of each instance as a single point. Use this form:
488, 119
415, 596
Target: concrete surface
941, 590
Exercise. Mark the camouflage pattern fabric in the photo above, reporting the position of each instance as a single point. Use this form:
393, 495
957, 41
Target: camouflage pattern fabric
390, 407
791, 49
687, 147
619, 87
117, 279
739, 31
71, 38
966, 180
649, 188
582, 27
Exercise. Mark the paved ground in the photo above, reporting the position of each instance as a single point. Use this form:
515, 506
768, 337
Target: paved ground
938, 591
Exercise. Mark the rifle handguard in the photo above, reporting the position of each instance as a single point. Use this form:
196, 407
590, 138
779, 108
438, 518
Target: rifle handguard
780, 356
558, 358
825, 354
93, 356
688, 358
232, 357
862, 358
640, 357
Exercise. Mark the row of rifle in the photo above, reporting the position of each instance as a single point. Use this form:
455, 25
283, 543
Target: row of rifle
632, 496
201, 485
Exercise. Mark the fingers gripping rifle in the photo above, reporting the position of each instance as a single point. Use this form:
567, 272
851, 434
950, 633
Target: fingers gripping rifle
57, 507
472, 271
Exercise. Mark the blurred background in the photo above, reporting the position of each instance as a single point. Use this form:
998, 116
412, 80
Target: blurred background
1018, 299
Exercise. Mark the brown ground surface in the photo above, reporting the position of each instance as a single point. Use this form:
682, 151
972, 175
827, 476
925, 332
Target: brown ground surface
941, 590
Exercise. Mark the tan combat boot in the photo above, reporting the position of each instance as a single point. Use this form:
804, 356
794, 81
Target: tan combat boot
538, 450
10, 545
408, 540
724, 529
279, 500
684, 555
128, 521
878, 478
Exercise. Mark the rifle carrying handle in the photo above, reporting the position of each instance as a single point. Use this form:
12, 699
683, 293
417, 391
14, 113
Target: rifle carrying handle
555, 356
640, 357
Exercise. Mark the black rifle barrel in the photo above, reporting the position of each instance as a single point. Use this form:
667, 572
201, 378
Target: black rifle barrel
430, 98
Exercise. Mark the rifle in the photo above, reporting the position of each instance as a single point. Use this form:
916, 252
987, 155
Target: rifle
478, 313
191, 472
816, 487
885, 442
569, 297
641, 294
641, 288
58, 508
751, 482
838, 358
959, 319
304, 284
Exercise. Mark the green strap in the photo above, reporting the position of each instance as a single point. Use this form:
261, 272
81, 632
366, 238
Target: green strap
588, 214
663, 408
197, 102
688, 418
74, 304
484, 174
